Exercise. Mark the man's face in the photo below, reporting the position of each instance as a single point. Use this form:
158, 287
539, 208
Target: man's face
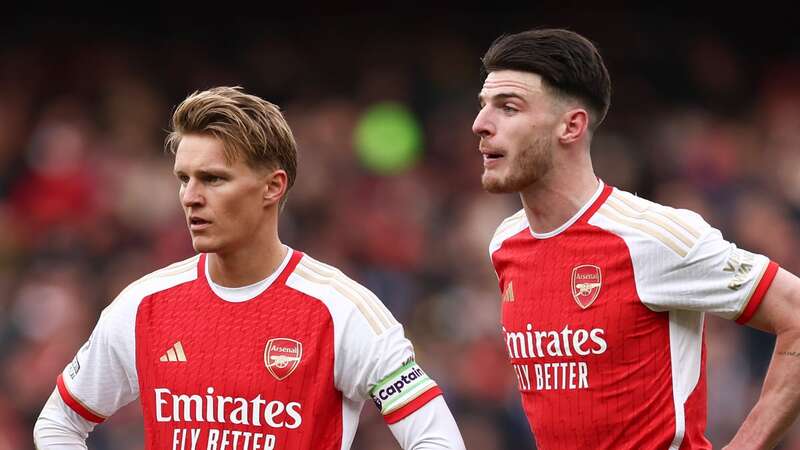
223, 203
516, 126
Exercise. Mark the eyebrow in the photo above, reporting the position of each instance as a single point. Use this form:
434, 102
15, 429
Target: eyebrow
502, 96
214, 171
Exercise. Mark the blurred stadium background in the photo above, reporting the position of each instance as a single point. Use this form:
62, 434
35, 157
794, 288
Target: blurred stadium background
705, 115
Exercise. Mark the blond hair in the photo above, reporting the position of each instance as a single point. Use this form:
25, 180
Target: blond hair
249, 127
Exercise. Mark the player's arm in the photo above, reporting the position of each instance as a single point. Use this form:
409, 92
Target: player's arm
413, 406
96, 383
779, 403
59, 427
410, 401
429, 428
378, 363
373, 359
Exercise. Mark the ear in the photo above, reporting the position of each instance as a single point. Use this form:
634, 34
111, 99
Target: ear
574, 126
275, 187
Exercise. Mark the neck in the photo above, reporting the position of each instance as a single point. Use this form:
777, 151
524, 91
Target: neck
248, 265
553, 200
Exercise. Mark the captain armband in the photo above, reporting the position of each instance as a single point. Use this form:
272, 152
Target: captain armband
401, 388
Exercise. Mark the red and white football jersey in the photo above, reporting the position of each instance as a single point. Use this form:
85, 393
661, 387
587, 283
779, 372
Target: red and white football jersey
285, 364
603, 320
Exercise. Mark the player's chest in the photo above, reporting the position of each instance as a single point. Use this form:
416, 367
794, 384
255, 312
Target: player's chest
242, 347
552, 285
571, 313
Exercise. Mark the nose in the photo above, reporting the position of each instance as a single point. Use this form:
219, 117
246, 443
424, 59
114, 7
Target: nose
483, 126
191, 193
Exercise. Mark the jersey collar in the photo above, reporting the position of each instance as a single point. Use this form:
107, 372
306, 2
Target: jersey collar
245, 293
592, 204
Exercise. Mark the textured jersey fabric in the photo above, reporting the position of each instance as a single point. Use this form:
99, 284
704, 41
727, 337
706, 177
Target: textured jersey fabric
603, 320
289, 368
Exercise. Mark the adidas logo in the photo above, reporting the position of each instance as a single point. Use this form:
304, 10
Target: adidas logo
508, 295
174, 354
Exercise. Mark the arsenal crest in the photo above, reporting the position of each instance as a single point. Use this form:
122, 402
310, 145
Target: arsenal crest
281, 356
586, 282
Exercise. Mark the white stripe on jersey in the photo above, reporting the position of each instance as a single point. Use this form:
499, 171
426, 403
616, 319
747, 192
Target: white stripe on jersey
610, 214
372, 300
366, 302
509, 227
648, 216
657, 221
165, 272
641, 205
686, 348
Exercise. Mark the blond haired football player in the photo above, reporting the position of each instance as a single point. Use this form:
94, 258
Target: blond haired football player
249, 344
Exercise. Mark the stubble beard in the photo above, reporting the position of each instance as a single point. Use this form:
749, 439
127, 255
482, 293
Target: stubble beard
531, 165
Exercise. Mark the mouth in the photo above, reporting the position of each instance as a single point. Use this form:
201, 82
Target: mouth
197, 223
491, 156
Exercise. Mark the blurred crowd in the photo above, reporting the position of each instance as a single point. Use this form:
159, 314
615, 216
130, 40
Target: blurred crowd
699, 119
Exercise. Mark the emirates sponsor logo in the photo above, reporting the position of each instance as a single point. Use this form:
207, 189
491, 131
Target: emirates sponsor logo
526, 347
216, 422
586, 283
221, 409
568, 342
282, 356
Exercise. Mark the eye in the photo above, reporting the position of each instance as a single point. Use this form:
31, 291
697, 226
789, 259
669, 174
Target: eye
213, 179
183, 179
509, 109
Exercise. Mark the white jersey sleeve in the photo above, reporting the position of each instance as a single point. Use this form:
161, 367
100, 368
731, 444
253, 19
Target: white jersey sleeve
102, 377
432, 427
59, 427
508, 228
680, 262
373, 358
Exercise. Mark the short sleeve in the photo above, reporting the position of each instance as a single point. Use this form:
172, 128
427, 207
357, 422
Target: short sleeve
373, 357
102, 376
385, 371
715, 276
680, 262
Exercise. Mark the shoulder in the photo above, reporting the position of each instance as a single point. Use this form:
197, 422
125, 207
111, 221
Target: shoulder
343, 296
157, 281
508, 228
644, 224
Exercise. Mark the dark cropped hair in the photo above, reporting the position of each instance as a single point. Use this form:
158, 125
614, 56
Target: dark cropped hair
568, 63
